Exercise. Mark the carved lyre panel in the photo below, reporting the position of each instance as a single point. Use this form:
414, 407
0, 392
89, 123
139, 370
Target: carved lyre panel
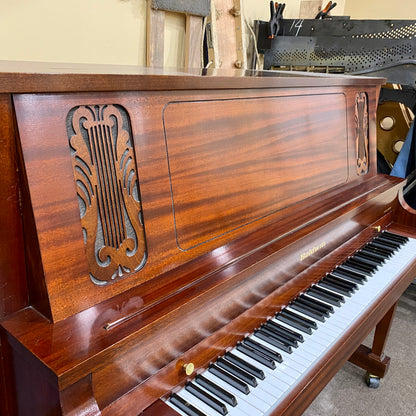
108, 190
361, 124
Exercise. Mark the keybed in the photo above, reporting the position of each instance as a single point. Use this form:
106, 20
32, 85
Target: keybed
259, 372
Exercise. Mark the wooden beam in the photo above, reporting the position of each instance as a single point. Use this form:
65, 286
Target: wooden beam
193, 40
155, 36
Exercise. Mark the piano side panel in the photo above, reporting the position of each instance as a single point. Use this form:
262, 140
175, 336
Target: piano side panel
13, 287
43, 129
13, 290
35, 390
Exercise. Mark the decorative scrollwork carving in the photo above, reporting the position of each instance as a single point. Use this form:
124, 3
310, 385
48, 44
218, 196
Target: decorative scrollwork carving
107, 183
361, 125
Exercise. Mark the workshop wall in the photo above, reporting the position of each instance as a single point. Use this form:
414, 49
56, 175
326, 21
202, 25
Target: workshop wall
98, 31
114, 31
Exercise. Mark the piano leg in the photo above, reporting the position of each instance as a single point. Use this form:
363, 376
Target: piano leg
373, 359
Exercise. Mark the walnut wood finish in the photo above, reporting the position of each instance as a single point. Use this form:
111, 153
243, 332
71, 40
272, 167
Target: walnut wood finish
237, 217
188, 209
35, 77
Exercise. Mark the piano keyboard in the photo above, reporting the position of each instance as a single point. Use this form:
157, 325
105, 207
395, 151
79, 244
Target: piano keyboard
254, 377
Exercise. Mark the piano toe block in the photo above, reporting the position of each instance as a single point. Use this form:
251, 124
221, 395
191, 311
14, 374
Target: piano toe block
364, 357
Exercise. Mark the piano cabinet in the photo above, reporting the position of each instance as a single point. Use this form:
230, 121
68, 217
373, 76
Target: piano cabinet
158, 219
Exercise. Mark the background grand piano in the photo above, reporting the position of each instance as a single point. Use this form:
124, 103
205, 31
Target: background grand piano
164, 226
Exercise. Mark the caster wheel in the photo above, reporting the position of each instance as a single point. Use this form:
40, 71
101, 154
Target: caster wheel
372, 381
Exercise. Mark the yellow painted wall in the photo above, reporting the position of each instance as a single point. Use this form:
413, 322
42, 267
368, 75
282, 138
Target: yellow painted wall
376, 9
91, 31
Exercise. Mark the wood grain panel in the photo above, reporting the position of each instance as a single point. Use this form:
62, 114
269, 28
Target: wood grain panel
50, 177
269, 152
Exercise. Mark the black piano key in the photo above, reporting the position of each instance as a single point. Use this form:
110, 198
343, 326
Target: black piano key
379, 246
334, 287
350, 264
263, 349
353, 268
389, 243
229, 378
218, 391
374, 254
364, 263
299, 318
185, 406
272, 341
348, 275
308, 311
371, 256
289, 319
237, 371
325, 295
294, 324
359, 265
256, 372
350, 272
379, 250
340, 281
202, 395
323, 307
286, 332
256, 355
288, 342
366, 259
395, 237
383, 247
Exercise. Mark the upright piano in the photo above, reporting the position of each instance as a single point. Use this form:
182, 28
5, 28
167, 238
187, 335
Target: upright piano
191, 243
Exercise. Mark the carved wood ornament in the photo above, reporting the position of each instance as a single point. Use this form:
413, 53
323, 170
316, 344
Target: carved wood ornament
361, 123
106, 176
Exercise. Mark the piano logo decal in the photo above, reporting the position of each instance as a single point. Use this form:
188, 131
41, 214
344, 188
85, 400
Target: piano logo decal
108, 191
361, 124
312, 250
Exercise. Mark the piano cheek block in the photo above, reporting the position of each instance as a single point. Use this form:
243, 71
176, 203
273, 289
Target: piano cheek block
156, 218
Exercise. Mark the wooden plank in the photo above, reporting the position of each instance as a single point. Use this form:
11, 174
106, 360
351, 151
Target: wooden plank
236, 11
227, 48
193, 39
155, 36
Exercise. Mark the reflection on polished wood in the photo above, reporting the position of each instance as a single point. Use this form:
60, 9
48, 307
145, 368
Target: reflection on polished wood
238, 190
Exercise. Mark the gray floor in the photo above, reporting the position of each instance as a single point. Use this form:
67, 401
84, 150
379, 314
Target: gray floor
348, 395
